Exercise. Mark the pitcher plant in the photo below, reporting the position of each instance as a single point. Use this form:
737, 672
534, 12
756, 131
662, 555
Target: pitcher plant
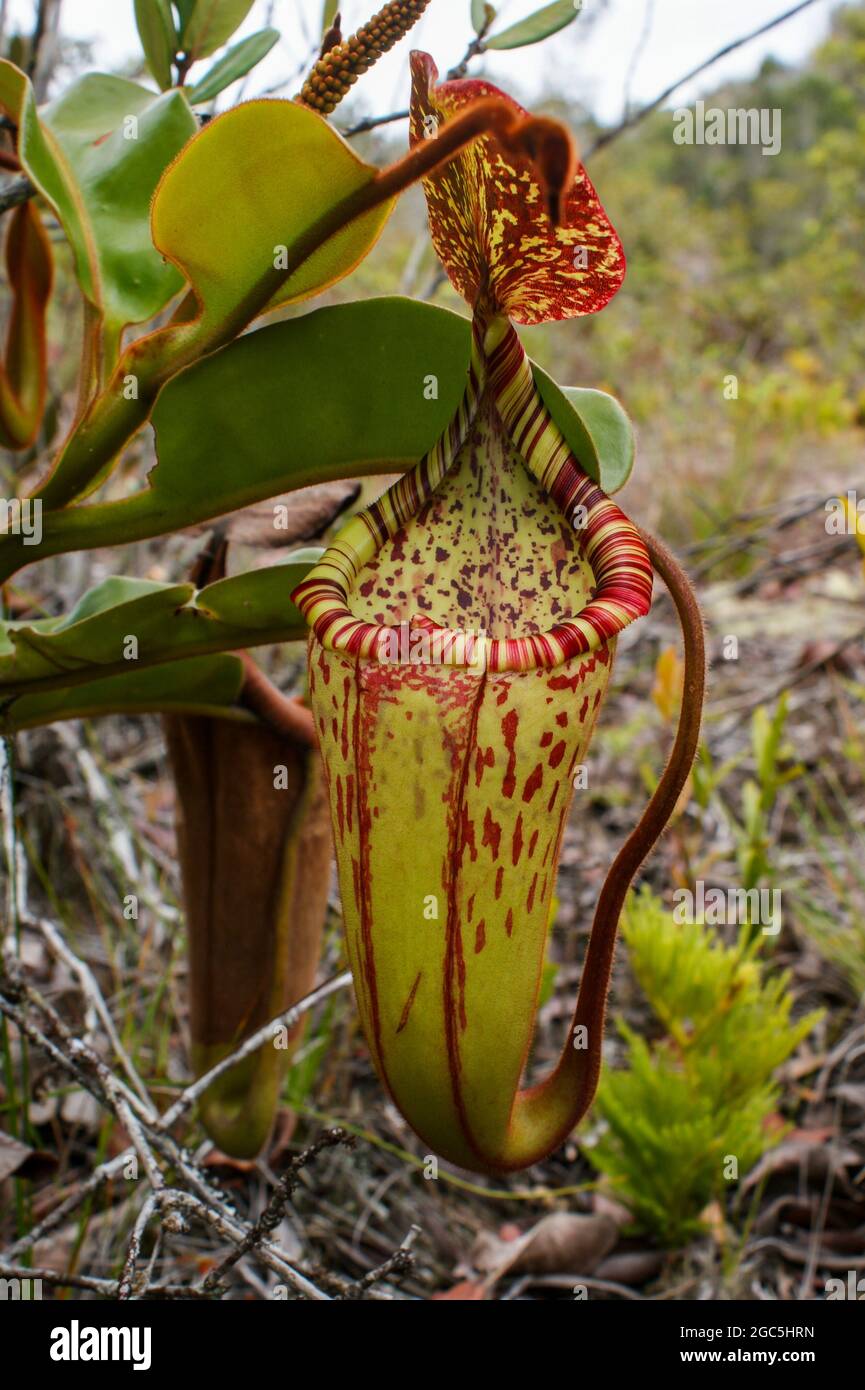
463, 630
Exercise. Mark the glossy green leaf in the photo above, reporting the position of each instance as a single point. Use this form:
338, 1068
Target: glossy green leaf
245, 189
236, 63
42, 161
537, 26
228, 429
184, 10
100, 182
202, 685
379, 380
117, 139
596, 427
231, 428
155, 24
110, 593
211, 24
168, 622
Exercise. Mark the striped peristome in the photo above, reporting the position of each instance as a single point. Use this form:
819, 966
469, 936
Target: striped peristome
610, 542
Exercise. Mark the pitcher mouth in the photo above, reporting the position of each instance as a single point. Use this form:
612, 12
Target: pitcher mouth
607, 541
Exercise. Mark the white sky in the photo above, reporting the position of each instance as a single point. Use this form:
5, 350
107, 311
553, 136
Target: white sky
590, 60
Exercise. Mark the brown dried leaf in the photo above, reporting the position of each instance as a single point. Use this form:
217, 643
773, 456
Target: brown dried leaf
255, 854
852, 1093
630, 1267
465, 1291
831, 655
562, 1243
807, 1151
20, 1161
605, 1205
82, 1110
293, 516
12, 1155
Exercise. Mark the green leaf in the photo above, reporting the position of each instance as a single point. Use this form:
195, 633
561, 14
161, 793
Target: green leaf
537, 26
328, 14
100, 183
479, 15
595, 426
237, 62
202, 685
108, 594
156, 30
118, 139
184, 10
229, 431
248, 186
168, 622
212, 24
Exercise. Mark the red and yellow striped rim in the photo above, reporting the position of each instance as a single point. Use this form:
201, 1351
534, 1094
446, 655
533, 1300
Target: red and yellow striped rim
610, 543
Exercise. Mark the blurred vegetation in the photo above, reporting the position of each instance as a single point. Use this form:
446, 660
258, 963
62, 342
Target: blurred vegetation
744, 264
693, 1109
740, 264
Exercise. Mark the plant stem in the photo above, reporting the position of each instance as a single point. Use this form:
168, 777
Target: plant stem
287, 716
